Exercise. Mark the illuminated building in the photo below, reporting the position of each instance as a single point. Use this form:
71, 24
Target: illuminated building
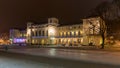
4, 39
53, 33
91, 31
18, 36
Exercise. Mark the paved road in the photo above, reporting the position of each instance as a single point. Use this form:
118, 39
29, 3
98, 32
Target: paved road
59, 58
8, 60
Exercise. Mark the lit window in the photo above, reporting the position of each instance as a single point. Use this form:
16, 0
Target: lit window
76, 33
60, 33
33, 41
72, 33
81, 32
64, 33
68, 33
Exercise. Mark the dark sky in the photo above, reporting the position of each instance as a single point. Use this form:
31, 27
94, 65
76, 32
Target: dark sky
15, 13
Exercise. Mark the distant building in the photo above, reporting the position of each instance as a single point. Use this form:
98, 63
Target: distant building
4, 39
17, 36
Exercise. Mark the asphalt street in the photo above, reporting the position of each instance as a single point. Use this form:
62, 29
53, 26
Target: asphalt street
58, 58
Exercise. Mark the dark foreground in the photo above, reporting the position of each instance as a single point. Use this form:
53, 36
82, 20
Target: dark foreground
14, 60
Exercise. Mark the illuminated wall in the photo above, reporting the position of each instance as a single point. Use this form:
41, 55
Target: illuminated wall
70, 34
52, 33
17, 36
19, 40
91, 31
42, 33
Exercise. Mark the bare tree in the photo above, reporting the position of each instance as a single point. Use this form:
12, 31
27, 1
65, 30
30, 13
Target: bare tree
102, 32
102, 11
103, 29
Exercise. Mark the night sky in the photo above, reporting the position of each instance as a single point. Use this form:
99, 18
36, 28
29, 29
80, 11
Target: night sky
16, 13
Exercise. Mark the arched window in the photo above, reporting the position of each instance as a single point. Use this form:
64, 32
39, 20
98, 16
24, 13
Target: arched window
47, 33
62, 33
43, 33
70, 33
32, 33
74, 33
66, 33
39, 33
36, 34
78, 33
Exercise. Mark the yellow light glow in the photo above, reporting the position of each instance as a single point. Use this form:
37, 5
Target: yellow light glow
68, 33
81, 32
64, 33
76, 32
51, 31
33, 30
43, 41
72, 33
29, 31
60, 33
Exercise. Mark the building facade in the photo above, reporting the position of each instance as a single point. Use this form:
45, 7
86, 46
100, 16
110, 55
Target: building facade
92, 28
18, 36
53, 33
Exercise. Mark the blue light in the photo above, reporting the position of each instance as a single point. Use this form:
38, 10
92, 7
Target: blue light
19, 40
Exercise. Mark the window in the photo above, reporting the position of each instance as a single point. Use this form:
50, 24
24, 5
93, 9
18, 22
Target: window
64, 33
74, 33
79, 33
32, 33
47, 33
70, 33
36, 34
39, 33
43, 33
60, 33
